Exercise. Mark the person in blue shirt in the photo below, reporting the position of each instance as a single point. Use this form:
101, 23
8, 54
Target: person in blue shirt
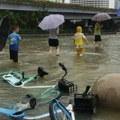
14, 40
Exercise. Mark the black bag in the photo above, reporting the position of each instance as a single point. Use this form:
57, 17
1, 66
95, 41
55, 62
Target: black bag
67, 86
86, 102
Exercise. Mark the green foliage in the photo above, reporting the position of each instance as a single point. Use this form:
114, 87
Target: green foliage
27, 21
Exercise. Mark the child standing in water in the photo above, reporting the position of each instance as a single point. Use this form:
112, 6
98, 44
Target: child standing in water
78, 41
14, 40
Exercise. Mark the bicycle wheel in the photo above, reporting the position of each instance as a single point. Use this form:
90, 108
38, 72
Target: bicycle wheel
58, 111
49, 95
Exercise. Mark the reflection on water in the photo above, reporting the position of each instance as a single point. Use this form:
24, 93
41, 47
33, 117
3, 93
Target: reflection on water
82, 71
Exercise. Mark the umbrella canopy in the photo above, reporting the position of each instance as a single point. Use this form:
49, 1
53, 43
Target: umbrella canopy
101, 17
4, 30
51, 21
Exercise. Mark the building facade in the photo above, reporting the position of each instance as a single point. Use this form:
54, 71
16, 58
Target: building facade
94, 3
117, 4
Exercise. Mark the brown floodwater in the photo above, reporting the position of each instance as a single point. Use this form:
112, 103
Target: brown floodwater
81, 70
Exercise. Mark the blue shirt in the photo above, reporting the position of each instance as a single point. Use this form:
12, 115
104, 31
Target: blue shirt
14, 39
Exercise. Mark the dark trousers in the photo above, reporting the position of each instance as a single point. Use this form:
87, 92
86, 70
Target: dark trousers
14, 55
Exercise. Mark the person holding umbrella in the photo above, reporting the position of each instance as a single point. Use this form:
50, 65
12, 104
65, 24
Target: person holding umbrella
52, 23
97, 30
97, 33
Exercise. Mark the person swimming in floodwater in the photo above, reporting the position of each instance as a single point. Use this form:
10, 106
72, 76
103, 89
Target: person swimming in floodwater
79, 37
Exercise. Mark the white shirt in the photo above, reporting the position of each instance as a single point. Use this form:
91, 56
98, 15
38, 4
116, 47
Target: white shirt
53, 33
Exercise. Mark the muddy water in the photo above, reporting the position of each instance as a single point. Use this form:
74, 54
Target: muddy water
81, 70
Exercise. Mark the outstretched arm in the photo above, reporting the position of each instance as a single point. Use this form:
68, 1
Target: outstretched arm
85, 39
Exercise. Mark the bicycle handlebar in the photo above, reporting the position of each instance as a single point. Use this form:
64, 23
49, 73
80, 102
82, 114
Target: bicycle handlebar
63, 67
86, 91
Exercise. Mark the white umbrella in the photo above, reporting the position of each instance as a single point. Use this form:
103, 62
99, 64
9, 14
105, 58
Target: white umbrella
51, 21
101, 17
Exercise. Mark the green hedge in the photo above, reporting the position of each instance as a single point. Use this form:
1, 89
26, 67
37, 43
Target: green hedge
27, 21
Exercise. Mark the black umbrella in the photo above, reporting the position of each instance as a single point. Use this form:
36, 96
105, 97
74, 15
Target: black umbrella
4, 30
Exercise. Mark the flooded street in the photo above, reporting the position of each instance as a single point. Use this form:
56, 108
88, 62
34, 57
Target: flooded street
81, 70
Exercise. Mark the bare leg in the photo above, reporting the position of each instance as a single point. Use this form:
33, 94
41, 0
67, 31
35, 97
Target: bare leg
99, 44
57, 51
79, 51
50, 50
94, 43
82, 51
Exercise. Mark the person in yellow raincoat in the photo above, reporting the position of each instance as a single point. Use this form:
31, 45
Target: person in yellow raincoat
79, 37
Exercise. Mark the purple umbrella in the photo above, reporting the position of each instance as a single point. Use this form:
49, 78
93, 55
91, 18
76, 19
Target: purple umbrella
51, 21
101, 17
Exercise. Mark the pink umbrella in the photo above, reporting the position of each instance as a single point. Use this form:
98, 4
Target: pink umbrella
101, 17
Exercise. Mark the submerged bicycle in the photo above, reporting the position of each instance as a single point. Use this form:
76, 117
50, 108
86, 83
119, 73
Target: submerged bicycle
17, 111
17, 79
57, 110
60, 112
